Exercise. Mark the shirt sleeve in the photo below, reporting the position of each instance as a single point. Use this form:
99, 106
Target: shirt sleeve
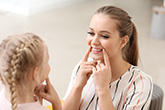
72, 80
138, 94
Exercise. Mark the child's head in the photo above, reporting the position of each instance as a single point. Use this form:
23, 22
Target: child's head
23, 58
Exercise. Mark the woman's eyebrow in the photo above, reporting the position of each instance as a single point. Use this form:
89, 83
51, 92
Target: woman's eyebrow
104, 31
91, 28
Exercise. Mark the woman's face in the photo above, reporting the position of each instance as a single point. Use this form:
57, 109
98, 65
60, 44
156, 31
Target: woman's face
102, 34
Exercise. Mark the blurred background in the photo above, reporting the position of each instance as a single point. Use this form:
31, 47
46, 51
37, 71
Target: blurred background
63, 24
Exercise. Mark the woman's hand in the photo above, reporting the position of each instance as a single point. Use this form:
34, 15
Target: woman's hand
85, 70
102, 74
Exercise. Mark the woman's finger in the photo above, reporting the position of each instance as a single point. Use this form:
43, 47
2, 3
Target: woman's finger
88, 75
87, 70
90, 63
85, 58
101, 65
94, 69
98, 67
106, 58
88, 67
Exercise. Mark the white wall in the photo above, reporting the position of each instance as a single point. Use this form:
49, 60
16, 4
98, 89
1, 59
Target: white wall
29, 7
15, 6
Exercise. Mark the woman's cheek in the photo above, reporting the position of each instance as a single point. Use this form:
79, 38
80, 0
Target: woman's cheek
88, 39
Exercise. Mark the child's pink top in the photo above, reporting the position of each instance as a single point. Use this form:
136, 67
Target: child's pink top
6, 105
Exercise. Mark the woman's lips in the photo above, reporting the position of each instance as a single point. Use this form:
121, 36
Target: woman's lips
96, 50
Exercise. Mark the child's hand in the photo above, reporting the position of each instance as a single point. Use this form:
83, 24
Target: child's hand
48, 93
39, 89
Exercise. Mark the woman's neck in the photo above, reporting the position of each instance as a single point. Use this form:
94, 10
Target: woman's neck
118, 67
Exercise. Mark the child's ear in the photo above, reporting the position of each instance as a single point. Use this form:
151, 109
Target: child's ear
125, 40
35, 75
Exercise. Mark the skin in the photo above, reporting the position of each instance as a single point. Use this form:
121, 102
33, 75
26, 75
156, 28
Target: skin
45, 67
50, 95
103, 35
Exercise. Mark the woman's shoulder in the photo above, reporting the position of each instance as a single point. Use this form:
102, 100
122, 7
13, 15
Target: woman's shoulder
139, 78
136, 72
136, 88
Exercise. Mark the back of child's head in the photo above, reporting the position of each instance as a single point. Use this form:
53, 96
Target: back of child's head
19, 55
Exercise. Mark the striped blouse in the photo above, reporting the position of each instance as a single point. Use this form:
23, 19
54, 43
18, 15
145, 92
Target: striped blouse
132, 91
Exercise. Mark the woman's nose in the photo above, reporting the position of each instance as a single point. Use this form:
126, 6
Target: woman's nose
95, 40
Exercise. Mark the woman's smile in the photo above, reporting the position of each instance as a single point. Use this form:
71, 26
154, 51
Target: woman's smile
96, 50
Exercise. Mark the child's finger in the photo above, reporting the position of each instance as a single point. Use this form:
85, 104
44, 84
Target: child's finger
85, 58
48, 81
39, 88
43, 94
35, 98
106, 58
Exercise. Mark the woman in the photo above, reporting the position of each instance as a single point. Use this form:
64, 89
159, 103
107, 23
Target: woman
111, 80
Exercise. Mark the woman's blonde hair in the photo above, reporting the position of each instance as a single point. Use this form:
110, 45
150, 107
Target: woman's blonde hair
19, 55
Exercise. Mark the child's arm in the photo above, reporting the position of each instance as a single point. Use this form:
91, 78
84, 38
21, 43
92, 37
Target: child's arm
51, 95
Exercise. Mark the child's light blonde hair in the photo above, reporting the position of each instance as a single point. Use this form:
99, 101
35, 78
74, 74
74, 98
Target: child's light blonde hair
19, 55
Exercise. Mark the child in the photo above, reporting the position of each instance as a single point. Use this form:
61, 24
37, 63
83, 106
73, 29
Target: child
23, 67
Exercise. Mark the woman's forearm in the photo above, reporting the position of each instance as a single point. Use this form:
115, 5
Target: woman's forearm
105, 100
72, 102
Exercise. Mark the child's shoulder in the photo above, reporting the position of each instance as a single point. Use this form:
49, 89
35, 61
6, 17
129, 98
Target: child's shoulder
32, 106
4, 104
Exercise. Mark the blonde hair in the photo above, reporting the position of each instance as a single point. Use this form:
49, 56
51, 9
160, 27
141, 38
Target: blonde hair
19, 55
125, 26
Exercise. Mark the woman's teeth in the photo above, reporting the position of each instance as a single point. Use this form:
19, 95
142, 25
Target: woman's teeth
97, 50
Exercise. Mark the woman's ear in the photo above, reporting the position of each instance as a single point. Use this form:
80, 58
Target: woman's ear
34, 74
125, 40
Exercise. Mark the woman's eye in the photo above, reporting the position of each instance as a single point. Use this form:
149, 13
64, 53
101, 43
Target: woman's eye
91, 33
104, 36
